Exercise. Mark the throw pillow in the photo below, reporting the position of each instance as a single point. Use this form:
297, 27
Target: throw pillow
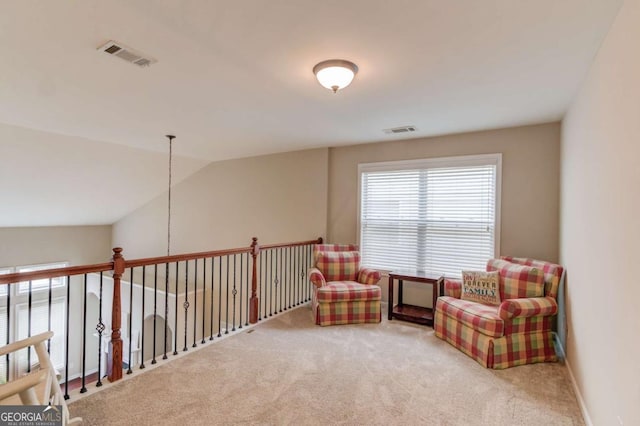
518, 281
482, 287
339, 265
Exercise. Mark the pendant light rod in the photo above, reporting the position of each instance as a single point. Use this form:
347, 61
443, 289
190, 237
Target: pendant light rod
171, 138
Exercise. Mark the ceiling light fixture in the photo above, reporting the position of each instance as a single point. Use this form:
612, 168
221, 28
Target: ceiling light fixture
335, 74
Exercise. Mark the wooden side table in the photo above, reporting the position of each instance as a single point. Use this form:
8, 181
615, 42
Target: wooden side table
413, 313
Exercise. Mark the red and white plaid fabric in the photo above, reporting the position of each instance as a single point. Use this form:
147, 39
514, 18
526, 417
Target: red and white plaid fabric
316, 277
497, 352
474, 344
368, 276
527, 325
526, 336
346, 291
552, 272
355, 312
517, 281
339, 265
335, 247
529, 307
343, 293
323, 248
452, 288
483, 318
522, 348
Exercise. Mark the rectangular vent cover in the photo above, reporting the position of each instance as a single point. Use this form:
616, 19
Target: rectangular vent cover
128, 54
403, 129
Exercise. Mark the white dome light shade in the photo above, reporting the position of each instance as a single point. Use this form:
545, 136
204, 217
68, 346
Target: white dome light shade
335, 74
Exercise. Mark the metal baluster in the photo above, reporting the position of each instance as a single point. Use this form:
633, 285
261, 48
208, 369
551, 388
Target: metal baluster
155, 310
280, 256
276, 284
29, 327
212, 289
195, 301
227, 305
234, 292
303, 289
294, 276
248, 295
306, 271
185, 305
220, 296
291, 280
166, 309
49, 318
286, 284
241, 276
8, 329
270, 276
303, 275
296, 265
299, 277
66, 351
100, 329
204, 294
175, 315
144, 279
129, 370
260, 289
83, 389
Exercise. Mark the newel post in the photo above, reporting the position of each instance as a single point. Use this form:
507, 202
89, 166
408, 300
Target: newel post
114, 362
253, 302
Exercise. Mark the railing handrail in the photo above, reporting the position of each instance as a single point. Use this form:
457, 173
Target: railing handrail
117, 267
298, 243
18, 277
182, 257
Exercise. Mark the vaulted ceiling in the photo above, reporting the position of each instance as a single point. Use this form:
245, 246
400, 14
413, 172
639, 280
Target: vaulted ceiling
234, 79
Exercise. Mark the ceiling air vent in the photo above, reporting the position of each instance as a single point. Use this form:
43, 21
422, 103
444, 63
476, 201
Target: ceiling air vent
126, 53
403, 129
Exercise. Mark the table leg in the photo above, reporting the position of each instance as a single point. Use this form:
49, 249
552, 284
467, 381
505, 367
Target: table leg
400, 292
434, 287
390, 304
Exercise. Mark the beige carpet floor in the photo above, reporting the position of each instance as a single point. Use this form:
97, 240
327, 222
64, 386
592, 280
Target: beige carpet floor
287, 371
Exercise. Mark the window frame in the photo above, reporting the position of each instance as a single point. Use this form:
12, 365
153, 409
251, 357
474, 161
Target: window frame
436, 162
59, 282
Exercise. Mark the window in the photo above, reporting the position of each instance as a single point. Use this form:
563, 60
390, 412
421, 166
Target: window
41, 316
42, 284
439, 215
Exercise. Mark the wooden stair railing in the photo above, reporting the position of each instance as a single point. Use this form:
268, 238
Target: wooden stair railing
119, 264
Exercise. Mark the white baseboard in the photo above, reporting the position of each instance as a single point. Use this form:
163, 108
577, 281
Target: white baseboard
574, 384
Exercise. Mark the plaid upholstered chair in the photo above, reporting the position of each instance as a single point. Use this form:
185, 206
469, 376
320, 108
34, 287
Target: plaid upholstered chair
343, 293
518, 328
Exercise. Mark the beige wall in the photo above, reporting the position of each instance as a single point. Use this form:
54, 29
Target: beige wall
530, 180
600, 227
79, 245
277, 198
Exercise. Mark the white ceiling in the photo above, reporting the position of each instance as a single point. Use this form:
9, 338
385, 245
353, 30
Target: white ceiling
234, 78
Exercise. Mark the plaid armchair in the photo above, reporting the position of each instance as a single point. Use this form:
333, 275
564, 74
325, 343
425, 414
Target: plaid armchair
343, 293
516, 332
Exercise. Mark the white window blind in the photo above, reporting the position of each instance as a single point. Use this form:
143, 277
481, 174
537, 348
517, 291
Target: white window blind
40, 324
432, 215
